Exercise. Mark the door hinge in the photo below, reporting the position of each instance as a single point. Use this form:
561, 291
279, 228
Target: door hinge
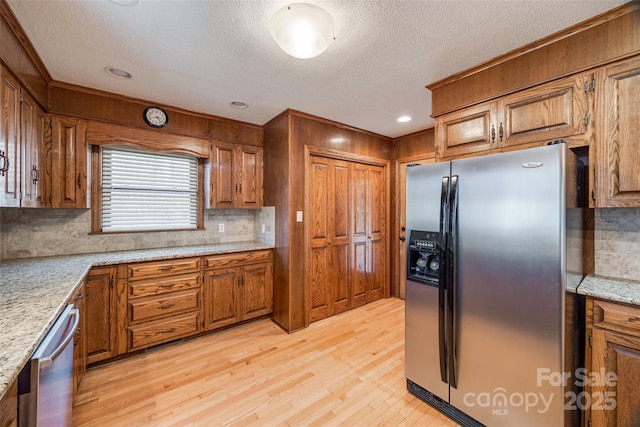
21, 99
586, 87
586, 119
589, 422
593, 194
593, 85
590, 340
112, 282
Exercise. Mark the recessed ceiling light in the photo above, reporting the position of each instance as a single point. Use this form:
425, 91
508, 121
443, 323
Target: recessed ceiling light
125, 2
118, 73
239, 105
403, 119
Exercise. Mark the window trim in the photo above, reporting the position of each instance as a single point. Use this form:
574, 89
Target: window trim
96, 193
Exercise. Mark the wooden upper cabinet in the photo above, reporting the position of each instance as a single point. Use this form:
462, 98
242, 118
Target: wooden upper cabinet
618, 135
466, 131
551, 111
21, 144
69, 163
10, 145
559, 109
236, 176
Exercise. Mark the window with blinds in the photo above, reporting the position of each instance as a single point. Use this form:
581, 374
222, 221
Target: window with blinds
144, 190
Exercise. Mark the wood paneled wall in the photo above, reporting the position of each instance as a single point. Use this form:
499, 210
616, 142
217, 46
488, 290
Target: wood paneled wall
77, 101
285, 138
417, 145
603, 39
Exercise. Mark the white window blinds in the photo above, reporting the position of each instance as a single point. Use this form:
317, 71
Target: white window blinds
144, 190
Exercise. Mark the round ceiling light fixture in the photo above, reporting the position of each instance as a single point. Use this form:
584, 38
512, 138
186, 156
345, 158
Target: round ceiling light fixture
404, 119
125, 2
239, 105
118, 73
302, 30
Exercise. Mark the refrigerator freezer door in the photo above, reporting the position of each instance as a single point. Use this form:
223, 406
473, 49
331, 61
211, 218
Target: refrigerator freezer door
510, 284
422, 361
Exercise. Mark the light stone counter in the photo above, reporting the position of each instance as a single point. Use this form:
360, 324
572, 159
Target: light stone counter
34, 291
619, 290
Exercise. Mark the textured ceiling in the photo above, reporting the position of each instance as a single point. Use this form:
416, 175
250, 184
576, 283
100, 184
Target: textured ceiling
201, 55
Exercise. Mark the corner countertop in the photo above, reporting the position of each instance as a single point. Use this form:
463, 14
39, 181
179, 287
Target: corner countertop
618, 290
34, 291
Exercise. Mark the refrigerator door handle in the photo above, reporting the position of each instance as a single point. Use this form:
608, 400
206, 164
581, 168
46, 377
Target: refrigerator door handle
452, 283
442, 279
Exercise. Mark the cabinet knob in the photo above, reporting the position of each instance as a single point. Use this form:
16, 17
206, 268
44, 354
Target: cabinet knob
402, 238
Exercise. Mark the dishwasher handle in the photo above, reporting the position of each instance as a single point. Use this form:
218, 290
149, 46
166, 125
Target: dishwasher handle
48, 361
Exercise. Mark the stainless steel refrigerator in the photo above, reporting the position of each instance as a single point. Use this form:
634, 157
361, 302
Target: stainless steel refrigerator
496, 242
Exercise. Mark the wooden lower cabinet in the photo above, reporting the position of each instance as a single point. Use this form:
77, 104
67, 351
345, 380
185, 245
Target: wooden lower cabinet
241, 288
79, 341
614, 354
163, 302
9, 407
100, 308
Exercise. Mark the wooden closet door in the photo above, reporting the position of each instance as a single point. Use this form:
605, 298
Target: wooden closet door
329, 237
376, 233
359, 235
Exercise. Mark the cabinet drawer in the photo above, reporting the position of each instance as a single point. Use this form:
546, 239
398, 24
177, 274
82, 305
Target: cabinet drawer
164, 285
145, 270
238, 258
166, 305
150, 333
616, 317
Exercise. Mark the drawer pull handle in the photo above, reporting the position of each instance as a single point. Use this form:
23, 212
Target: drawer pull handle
167, 268
168, 331
167, 306
169, 286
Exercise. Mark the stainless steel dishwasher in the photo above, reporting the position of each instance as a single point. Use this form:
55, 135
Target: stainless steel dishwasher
46, 381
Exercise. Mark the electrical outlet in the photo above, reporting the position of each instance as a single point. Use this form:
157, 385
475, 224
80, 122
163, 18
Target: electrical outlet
264, 228
221, 228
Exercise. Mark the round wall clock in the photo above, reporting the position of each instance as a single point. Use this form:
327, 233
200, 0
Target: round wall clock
155, 117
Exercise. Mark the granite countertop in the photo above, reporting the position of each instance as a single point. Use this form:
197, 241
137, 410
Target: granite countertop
619, 290
34, 291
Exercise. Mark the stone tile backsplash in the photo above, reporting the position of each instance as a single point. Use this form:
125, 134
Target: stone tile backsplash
28, 233
617, 243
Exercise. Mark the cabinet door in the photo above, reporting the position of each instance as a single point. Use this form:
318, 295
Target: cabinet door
467, 131
69, 163
79, 342
376, 233
220, 293
249, 177
256, 298
551, 111
618, 133
100, 315
32, 134
9, 407
223, 176
616, 372
9, 141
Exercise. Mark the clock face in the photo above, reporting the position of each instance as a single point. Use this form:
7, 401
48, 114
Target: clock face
155, 117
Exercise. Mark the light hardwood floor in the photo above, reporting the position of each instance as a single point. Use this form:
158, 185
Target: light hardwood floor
344, 370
